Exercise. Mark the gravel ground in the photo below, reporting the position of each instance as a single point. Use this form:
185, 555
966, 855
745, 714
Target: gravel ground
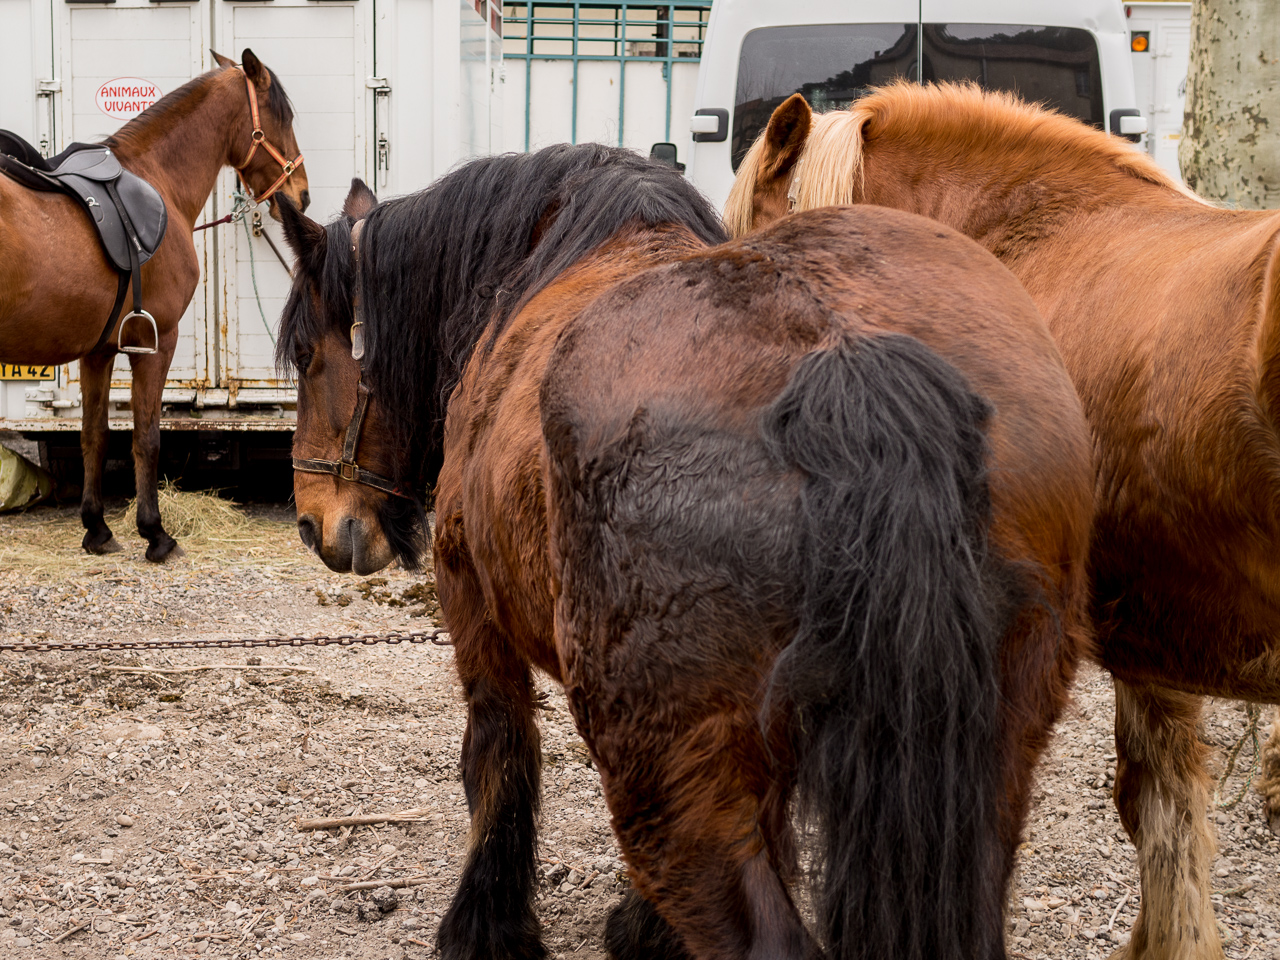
146, 813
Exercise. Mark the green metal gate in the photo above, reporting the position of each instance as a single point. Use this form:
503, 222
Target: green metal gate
669, 36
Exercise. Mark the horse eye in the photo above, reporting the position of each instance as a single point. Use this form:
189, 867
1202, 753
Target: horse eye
302, 361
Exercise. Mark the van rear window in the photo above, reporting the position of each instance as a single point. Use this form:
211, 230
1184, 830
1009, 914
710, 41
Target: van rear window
832, 65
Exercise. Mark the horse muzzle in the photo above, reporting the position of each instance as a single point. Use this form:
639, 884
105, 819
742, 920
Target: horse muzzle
345, 544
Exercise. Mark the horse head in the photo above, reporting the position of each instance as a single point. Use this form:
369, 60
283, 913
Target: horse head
761, 191
349, 511
262, 145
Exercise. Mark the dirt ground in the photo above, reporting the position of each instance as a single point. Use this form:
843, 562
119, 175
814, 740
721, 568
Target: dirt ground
150, 804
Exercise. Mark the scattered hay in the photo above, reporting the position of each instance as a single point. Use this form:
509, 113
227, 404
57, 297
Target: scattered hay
213, 531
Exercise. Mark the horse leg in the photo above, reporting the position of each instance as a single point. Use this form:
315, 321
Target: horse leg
635, 931
95, 382
1038, 661
704, 830
1161, 793
149, 373
492, 912
1269, 777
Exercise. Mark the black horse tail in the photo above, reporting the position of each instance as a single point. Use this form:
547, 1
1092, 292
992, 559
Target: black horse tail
889, 693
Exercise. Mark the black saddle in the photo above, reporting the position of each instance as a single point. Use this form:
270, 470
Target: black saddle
128, 213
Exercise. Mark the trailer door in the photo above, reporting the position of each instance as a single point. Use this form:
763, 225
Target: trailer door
321, 51
147, 49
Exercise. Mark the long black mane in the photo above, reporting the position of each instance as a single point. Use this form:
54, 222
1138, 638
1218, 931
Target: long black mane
301, 323
436, 267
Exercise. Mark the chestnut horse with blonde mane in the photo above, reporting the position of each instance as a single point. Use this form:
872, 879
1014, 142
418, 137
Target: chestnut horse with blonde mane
802, 515
57, 286
1167, 312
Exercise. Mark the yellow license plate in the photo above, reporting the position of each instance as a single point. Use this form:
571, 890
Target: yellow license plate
26, 371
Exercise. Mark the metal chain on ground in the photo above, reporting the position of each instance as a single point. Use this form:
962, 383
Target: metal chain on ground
1253, 711
341, 640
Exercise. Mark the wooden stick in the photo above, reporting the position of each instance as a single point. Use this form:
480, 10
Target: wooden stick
416, 881
1116, 912
328, 823
59, 939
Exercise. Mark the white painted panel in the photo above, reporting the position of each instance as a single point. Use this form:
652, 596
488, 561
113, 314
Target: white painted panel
598, 101
646, 106
18, 66
319, 54
684, 88
162, 45
1174, 47
473, 117
513, 111
412, 98
153, 43
550, 95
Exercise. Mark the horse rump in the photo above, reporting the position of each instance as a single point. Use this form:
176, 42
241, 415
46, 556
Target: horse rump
888, 696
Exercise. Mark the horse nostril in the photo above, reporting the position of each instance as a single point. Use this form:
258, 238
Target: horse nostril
304, 199
309, 531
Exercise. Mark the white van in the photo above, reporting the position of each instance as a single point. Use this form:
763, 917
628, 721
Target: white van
1075, 56
1160, 37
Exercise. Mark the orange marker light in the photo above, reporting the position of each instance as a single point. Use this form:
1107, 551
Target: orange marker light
1139, 42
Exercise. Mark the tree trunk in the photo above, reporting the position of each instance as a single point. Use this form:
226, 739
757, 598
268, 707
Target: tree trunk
1230, 149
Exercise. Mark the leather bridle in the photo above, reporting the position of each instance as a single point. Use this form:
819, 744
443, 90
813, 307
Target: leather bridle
260, 140
347, 468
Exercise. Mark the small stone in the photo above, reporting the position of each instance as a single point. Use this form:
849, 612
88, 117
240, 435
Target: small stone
124, 820
384, 898
368, 912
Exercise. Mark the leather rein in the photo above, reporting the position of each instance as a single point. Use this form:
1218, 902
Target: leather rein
347, 468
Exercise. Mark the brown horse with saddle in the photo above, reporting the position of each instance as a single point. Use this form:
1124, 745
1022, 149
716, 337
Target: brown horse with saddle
101, 223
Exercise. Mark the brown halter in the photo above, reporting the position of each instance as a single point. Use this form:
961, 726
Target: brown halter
260, 140
347, 468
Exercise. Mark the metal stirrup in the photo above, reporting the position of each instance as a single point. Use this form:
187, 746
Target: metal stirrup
155, 333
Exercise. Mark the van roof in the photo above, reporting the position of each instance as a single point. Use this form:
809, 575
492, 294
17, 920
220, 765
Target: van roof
1099, 16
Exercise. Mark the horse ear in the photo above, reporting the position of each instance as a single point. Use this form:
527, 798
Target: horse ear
305, 237
359, 201
785, 135
254, 70
221, 60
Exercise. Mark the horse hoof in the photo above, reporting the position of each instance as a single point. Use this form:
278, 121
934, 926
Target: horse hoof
162, 552
111, 546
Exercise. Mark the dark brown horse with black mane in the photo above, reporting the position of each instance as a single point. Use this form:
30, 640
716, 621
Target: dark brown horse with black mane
57, 286
801, 516
1167, 311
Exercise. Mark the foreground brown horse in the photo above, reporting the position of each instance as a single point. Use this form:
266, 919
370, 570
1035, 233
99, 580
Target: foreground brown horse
800, 515
1167, 312
57, 288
